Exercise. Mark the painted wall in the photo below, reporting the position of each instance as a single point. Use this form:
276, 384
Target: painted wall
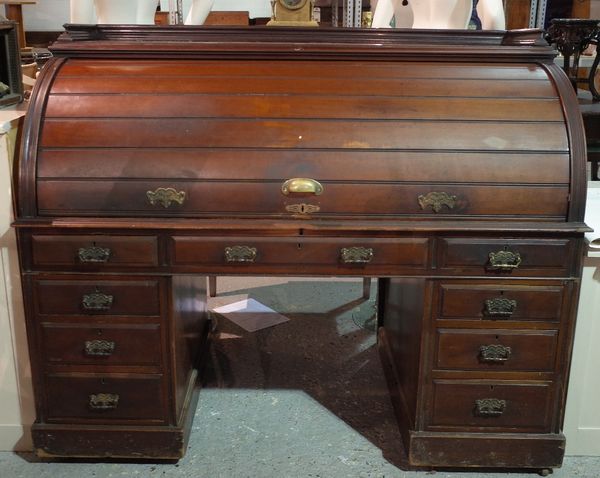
16, 395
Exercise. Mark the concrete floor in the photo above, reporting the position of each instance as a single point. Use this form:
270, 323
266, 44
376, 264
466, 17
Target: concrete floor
302, 399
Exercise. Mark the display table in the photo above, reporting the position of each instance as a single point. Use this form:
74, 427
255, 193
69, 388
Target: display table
590, 111
16, 412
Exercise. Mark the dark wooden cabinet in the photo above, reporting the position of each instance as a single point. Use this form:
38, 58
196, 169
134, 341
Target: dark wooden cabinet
449, 164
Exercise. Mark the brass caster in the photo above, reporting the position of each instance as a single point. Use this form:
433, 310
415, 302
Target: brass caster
545, 471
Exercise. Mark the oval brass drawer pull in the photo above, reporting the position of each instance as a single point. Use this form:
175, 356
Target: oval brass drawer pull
99, 348
437, 200
356, 255
490, 407
165, 197
103, 401
302, 186
494, 353
94, 254
240, 254
504, 260
97, 301
499, 307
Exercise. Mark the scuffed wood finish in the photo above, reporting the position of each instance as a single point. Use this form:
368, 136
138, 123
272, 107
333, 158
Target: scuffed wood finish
449, 164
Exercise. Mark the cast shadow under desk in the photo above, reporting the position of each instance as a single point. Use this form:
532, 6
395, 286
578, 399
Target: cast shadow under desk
327, 351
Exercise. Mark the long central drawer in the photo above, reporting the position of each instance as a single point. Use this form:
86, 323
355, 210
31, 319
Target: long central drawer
306, 254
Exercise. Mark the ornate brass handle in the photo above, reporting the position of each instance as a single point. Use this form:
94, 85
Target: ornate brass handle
99, 348
103, 401
490, 407
437, 200
97, 301
240, 254
504, 261
499, 307
356, 255
494, 353
94, 254
165, 197
302, 186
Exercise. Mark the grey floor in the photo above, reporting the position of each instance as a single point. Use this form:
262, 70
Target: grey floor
302, 399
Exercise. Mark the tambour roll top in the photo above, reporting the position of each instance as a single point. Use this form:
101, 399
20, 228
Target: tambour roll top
263, 123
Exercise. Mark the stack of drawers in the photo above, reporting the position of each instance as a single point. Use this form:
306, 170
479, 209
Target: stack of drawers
102, 336
495, 355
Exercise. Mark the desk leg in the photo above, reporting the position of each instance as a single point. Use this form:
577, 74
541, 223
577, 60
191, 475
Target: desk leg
402, 322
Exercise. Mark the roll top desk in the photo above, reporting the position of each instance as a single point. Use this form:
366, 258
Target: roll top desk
449, 164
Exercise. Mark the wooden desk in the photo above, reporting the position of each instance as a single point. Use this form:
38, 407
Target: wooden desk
451, 165
14, 12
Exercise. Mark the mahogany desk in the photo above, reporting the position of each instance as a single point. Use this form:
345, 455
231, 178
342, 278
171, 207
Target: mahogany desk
449, 164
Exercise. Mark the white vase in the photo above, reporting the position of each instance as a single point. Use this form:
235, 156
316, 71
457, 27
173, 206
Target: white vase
198, 12
82, 11
126, 11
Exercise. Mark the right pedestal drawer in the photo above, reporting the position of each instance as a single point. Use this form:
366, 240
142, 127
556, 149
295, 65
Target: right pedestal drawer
488, 405
496, 350
506, 257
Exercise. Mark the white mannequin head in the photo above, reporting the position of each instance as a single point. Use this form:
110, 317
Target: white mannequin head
113, 11
438, 14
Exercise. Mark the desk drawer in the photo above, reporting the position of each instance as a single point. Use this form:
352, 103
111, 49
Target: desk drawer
361, 254
105, 398
496, 350
70, 344
486, 405
94, 251
508, 301
93, 297
506, 257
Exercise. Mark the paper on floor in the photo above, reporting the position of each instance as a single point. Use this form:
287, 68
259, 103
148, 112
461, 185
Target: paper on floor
251, 315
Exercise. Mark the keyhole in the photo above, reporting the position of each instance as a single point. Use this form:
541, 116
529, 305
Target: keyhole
99, 332
491, 387
102, 381
299, 246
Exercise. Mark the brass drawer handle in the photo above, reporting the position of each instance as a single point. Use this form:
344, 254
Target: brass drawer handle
356, 255
494, 353
94, 254
437, 200
240, 254
499, 307
504, 261
97, 301
99, 348
490, 407
302, 186
165, 197
104, 401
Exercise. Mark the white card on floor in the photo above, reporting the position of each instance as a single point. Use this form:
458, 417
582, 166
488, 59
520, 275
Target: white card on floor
251, 315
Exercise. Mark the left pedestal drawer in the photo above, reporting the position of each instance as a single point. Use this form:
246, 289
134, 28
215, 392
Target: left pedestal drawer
102, 344
93, 251
94, 296
105, 398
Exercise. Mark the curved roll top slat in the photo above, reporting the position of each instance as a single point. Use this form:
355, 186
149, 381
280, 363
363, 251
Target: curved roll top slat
226, 133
